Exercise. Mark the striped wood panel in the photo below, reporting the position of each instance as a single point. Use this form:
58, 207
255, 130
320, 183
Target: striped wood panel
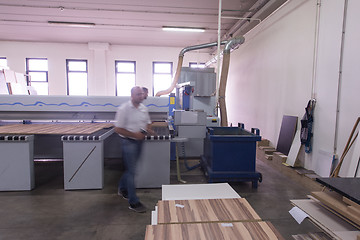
206, 210
54, 128
219, 231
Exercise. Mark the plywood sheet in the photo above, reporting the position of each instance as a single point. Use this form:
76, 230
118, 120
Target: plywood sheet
205, 210
198, 191
339, 207
294, 150
348, 187
57, 129
286, 134
206, 231
326, 220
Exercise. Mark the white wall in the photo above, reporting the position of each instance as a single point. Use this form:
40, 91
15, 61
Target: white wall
271, 75
101, 78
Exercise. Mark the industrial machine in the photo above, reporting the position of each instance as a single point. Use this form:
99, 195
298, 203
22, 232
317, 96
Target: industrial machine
195, 108
83, 152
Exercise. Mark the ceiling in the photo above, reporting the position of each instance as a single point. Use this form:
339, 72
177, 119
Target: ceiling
130, 22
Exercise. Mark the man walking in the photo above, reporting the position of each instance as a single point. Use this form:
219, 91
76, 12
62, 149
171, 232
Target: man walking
132, 122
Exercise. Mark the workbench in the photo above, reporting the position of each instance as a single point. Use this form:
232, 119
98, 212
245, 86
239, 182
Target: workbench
82, 151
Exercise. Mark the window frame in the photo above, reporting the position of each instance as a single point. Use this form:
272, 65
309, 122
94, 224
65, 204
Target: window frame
28, 77
197, 64
70, 71
116, 73
154, 73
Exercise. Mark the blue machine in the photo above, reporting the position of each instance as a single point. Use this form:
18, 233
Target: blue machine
230, 155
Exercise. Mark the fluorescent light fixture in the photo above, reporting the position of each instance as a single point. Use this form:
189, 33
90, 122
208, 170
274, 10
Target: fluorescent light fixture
72, 24
182, 29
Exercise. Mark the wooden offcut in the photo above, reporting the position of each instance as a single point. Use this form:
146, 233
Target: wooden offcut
206, 231
206, 210
338, 206
262, 151
279, 157
53, 128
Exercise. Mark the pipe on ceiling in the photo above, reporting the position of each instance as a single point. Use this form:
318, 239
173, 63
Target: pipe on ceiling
180, 62
232, 43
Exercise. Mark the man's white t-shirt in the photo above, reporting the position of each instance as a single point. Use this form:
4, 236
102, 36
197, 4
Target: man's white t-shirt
131, 118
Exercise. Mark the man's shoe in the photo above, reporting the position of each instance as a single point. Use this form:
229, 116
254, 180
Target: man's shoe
123, 193
138, 207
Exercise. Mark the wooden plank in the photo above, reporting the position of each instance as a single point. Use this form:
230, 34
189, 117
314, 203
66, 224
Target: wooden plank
279, 157
323, 218
57, 129
263, 142
205, 210
206, 231
311, 236
293, 153
336, 205
352, 203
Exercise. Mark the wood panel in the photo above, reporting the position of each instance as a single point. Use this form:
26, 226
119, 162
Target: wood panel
56, 128
206, 210
219, 231
338, 207
286, 134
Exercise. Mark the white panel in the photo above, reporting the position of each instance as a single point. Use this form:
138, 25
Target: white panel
16, 166
83, 165
198, 191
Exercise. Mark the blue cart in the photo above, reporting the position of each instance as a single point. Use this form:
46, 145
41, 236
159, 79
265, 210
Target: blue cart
230, 155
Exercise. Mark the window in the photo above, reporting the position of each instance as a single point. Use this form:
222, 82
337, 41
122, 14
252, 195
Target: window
37, 70
3, 63
162, 76
77, 77
125, 77
196, 65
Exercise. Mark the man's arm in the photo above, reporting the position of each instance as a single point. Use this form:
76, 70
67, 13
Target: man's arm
150, 131
128, 134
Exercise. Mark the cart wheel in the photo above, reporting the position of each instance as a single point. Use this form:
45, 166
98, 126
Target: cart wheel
260, 178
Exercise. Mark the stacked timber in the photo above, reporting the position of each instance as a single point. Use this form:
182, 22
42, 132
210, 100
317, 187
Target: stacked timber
232, 218
264, 150
341, 206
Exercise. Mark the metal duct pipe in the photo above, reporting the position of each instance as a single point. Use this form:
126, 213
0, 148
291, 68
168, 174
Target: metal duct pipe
233, 43
180, 62
223, 80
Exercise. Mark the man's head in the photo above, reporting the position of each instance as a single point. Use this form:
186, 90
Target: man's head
146, 92
137, 95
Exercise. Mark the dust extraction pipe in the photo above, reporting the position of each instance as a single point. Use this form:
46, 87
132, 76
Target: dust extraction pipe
180, 62
223, 79
224, 71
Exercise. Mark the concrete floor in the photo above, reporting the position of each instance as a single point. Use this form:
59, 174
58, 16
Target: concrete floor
49, 212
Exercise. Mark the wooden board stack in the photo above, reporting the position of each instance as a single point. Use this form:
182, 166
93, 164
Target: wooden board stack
231, 218
233, 230
56, 128
341, 206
